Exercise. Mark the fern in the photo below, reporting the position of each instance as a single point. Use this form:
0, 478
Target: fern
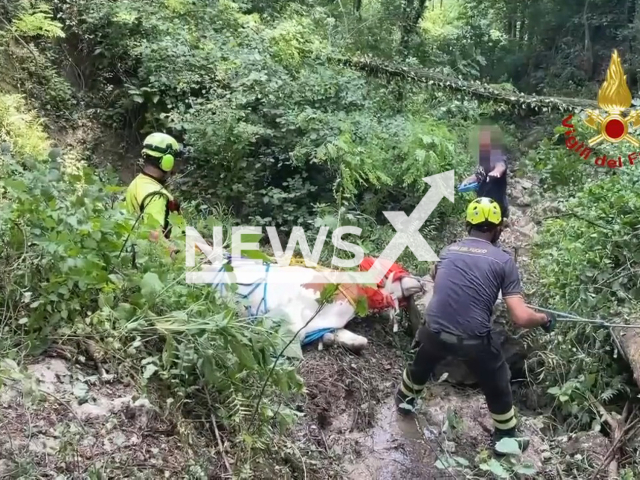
38, 22
617, 388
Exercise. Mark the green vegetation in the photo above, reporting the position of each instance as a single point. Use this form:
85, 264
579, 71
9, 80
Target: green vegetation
284, 132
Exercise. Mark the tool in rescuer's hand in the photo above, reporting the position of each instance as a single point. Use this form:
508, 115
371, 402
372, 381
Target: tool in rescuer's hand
567, 317
468, 187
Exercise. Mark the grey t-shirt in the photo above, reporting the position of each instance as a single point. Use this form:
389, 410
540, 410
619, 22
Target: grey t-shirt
469, 277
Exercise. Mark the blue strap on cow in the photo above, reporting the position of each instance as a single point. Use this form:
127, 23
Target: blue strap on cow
310, 337
316, 335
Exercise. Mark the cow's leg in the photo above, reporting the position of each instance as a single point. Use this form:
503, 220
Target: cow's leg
345, 338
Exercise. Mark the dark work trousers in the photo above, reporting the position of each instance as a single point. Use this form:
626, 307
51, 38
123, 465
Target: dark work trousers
504, 207
484, 360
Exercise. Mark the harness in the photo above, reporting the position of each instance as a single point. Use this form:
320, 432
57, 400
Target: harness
170, 206
253, 287
377, 299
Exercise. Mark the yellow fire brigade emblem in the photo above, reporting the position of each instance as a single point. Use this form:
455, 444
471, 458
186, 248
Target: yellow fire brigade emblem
614, 97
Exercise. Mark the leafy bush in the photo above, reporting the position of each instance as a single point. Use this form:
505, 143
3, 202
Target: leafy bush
277, 132
584, 263
64, 277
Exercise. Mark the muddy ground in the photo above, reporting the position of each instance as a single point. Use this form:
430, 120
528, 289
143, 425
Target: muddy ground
69, 424
350, 406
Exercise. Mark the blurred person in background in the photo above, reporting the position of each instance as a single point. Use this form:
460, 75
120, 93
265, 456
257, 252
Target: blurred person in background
491, 174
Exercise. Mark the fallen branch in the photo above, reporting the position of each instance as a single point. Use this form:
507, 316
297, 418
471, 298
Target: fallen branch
378, 67
220, 445
619, 431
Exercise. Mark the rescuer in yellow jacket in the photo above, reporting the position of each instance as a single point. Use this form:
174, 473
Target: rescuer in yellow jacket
147, 196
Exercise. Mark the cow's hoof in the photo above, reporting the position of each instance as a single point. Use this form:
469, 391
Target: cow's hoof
328, 339
350, 341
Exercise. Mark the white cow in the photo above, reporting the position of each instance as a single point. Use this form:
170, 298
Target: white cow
298, 300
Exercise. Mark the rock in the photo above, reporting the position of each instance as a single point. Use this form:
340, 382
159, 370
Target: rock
51, 373
102, 408
55, 153
141, 412
476, 428
590, 444
529, 229
44, 445
328, 339
6, 468
449, 447
518, 192
630, 343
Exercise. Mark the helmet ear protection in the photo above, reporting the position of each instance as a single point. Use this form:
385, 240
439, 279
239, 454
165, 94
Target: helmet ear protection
167, 160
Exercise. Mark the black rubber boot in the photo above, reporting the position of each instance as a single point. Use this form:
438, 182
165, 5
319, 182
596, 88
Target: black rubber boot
523, 443
405, 404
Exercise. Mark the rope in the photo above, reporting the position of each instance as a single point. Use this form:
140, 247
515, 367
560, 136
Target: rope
576, 319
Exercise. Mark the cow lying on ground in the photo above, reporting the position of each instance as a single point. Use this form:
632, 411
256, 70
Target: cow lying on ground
298, 300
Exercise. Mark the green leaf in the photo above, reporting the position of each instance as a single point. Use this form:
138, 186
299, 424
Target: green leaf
149, 370
256, 255
124, 311
244, 354
495, 467
526, 469
80, 390
168, 351
328, 293
461, 461
294, 350
250, 237
508, 446
17, 185
150, 285
362, 306
554, 390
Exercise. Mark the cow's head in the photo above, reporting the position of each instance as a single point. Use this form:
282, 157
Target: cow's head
403, 287
401, 290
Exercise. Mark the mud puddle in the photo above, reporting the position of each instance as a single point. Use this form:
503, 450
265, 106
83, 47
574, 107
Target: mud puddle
394, 448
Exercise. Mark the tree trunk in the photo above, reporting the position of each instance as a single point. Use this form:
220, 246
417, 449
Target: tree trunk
405, 28
420, 12
412, 14
357, 6
628, 342
588, 46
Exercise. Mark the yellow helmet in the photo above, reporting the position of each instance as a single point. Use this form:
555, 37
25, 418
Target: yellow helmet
484, 211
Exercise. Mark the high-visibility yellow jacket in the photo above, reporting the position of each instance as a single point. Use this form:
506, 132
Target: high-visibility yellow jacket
148, 198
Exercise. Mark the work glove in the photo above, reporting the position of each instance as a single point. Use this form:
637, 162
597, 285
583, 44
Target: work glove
551, 323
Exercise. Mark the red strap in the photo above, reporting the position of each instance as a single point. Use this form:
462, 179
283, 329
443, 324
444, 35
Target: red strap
377, 298
397, 270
